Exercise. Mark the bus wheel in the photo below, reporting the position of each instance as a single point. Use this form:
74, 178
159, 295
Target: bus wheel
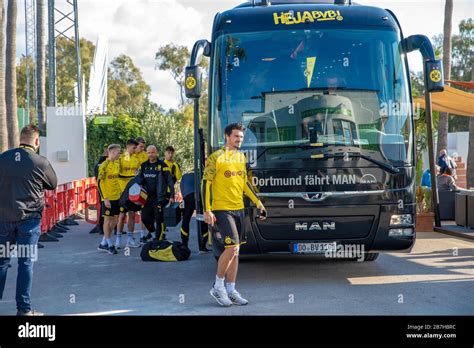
370, 256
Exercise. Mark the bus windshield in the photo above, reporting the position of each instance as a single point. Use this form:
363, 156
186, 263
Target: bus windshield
325, 87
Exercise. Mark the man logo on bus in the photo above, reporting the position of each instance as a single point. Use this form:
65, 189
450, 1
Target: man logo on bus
435, 75
368, 179
318, 226
289, 18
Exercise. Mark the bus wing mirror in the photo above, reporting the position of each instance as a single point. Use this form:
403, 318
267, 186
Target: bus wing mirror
192, 81
434, 79
193, 73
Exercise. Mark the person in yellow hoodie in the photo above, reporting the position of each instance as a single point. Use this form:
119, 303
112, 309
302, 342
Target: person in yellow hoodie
129, 165
140, 151
142, 156
109, 190
174, 167
225, 182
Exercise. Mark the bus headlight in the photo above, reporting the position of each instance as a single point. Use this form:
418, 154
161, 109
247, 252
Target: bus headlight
400, 232
403, 219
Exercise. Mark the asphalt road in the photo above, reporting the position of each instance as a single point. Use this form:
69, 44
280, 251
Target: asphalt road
72, 277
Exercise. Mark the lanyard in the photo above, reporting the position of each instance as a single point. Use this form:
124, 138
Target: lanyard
26, 146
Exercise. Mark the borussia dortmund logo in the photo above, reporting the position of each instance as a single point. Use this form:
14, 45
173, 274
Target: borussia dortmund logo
107, 212
228, 240
190, 82
435, 75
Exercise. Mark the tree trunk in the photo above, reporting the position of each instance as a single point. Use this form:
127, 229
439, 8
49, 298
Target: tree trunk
3, 111
470, 153
41, 63
447, 29
10, 82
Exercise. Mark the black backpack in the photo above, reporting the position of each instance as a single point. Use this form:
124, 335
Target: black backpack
164, 250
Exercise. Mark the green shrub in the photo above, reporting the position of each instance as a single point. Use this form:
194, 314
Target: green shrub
100, 136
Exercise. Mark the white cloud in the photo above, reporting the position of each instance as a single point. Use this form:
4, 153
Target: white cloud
138, 29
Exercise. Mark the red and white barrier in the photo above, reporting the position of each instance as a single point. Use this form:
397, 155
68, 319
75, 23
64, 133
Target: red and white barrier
68, 200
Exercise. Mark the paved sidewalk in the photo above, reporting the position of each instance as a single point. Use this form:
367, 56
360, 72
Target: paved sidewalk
72, 277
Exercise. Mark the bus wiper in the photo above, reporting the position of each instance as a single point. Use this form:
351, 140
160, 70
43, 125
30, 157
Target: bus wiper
316, 89
386, 166
335, 88
288, 146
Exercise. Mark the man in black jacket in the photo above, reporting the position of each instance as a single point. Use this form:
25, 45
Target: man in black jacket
188, 192
155, 177
24, 175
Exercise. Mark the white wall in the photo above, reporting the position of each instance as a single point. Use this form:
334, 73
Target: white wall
457, 143
66, 131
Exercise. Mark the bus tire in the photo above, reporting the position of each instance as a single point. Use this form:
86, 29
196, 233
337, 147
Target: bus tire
370, 256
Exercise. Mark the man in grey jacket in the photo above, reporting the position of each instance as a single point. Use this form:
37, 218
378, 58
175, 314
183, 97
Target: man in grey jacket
24, 175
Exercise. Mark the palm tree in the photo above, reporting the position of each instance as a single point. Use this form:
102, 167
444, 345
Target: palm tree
10, 82
41, 63
447, 29
3, 119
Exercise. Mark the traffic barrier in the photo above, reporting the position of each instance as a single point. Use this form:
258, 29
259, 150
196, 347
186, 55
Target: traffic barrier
79, 194
70, 200
91, 199
66, 201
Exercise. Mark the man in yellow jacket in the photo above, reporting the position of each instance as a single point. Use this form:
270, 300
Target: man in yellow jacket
174, 167
224, 185
109, 190
140, 151
129, 165
142, 157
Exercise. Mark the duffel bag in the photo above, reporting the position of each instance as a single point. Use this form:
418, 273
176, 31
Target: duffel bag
164, 250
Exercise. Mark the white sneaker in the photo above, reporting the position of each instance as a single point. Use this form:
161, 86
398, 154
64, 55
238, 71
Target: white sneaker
236, 298
220, 295
132, 244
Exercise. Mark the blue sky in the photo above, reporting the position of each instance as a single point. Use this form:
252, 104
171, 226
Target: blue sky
139, 27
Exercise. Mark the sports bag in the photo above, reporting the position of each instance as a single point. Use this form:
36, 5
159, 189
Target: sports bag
164, 250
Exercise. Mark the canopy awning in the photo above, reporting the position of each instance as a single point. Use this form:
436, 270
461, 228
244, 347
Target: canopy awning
451, 100
465, 84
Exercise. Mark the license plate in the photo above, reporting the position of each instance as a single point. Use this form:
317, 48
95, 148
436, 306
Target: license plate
313, 248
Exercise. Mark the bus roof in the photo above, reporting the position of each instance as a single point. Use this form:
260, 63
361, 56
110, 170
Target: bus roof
252, 3
246, 17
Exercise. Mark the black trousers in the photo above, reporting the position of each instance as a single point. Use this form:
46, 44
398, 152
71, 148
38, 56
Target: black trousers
152, 216
189, 207
101, 217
